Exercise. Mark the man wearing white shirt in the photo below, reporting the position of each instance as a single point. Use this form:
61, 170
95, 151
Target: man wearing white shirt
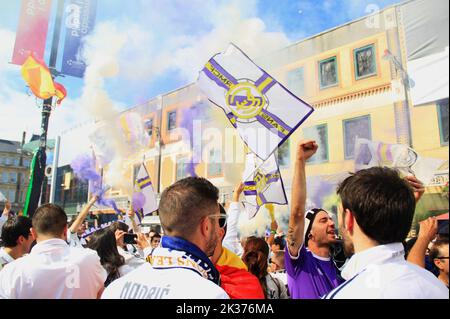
375, 216
53, 269
180, 267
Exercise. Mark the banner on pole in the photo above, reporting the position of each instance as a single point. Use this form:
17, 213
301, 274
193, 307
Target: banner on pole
32, 30
79, 22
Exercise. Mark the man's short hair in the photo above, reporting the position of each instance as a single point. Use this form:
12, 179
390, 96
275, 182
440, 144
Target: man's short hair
279, 240
185, 203
15, 227
383, 203
49, 219
435, 250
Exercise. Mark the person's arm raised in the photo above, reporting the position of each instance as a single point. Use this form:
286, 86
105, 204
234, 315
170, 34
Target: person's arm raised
82, 216
305, 150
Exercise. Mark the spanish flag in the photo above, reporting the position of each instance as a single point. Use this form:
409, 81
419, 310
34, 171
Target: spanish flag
39, 78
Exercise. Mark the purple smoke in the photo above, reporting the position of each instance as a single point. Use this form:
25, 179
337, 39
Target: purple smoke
197, 112
318, 190
138, 201
84, 168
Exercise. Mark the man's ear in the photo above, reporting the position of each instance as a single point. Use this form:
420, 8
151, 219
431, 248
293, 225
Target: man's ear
438, 263
205, 226
33, 233
349, 220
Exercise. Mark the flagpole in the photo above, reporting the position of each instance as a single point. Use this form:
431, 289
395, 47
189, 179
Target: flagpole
46, 110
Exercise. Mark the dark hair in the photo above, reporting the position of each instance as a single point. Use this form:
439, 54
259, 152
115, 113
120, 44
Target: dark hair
156, 236
185, 203
383, 203
255, 256
119, 226
104, 242
49, 219
434, 251
279, 240
15, 227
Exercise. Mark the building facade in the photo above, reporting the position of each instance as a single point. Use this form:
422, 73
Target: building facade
356, 78
14, 173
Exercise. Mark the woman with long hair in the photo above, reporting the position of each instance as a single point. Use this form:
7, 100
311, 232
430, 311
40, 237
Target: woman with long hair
104, 242
255, 256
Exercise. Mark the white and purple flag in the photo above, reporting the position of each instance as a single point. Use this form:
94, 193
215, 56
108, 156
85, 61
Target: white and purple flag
144, 185
263, 111
400, 156
262, 184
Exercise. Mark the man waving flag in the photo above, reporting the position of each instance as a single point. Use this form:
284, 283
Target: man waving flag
263, 184
263, 111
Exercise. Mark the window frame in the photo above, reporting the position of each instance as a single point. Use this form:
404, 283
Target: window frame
345, 135
439, 114
320, 62
310, 161
355, 61
168, 120
291, 88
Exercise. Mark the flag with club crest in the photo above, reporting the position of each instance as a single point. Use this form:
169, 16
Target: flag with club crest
144, 185
262, 184
408, 161
263, 111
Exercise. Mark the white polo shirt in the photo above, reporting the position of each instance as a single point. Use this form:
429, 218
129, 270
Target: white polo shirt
53, 270
5, 258
382, 272
147, 282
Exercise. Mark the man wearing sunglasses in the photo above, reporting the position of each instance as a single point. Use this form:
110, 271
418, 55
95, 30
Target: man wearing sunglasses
235, 279
439, 257
180, 268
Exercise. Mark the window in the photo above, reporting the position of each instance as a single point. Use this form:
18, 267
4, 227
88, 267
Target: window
16, 162
328, 75
12, 195
182, 167
172, 120
296, 82
284, 155
443, 121
353, 128
26, 162
215, 163
319, 133
13, 177
5, 177
8, 161
365, 62
149, 127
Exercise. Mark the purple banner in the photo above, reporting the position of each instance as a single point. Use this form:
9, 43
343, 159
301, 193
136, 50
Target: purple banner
79, 22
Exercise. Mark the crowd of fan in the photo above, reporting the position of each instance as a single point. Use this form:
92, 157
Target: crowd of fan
200, 255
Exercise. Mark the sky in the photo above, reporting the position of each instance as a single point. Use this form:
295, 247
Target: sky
142, 48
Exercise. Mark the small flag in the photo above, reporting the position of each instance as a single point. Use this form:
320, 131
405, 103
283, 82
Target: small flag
144, 185
39, 78
263, 111
264, 185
